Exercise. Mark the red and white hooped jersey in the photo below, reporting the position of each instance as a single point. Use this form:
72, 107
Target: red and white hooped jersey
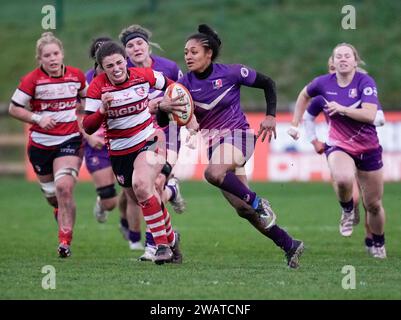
128, 122
54, 96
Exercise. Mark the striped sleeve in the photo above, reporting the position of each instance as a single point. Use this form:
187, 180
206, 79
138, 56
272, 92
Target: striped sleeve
25, 92
83, 84
93, 96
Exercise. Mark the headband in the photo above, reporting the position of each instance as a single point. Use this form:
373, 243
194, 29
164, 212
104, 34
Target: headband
134, 35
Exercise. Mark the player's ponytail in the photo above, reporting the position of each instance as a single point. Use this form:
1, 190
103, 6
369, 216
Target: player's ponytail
204, 28
208, 38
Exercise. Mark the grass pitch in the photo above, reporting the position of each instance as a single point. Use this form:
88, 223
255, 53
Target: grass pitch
224, 257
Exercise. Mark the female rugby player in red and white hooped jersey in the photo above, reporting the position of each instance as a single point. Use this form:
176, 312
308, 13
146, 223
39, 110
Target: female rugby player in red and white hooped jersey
118, 98
47, 98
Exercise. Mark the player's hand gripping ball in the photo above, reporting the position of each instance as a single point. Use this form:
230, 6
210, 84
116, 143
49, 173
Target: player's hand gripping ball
181, 117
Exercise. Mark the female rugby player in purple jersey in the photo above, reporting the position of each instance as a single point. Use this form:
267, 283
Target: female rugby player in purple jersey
215, 89
317, 106
353, 144
138, 47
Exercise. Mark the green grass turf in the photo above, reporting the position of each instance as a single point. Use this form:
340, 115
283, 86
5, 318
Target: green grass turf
224, 257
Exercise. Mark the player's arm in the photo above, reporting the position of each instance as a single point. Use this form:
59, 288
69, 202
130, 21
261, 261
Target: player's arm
366, 113
93, 140
310, 132
80, 110
268, 125
19, 112
380, 119
301, 104
95, 112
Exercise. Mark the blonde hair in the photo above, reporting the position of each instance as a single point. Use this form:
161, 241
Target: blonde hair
47, 38
359, 61
138, 29
330, 64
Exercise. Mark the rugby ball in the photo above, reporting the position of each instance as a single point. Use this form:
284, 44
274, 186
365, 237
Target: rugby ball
181, 117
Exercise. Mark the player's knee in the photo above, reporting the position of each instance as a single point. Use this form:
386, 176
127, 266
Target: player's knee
213, 177
106, 192
64, 190
344, 182
107, 195
142, 189
374, 207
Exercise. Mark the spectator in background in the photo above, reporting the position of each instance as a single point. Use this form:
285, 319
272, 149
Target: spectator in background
47, 98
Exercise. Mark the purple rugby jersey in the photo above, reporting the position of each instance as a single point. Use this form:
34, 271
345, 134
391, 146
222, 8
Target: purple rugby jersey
217, 98
351, 135
90, 74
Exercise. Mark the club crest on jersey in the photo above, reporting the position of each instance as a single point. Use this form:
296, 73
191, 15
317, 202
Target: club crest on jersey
140, 91
352, 93
73, 89
95, 161
61, 90
217, 84
244, 72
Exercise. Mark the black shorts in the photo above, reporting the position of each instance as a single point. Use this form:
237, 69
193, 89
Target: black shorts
123, 166
42, 159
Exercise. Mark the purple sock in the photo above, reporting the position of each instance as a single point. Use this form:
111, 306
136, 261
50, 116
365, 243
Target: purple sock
233, 185
378, 239
368, 242
134, 236
124, 222
149, 239
280, 237
173, 192
347, 206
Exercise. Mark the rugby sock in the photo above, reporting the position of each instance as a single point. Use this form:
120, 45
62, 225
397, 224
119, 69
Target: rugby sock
124, 222
134, 236
64, 236
167, 223
347, 206
368, 242
233, 185
280, 237
149, 238
378, 239
173, 192
153, 215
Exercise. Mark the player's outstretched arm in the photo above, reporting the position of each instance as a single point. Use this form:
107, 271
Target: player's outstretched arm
300, 107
